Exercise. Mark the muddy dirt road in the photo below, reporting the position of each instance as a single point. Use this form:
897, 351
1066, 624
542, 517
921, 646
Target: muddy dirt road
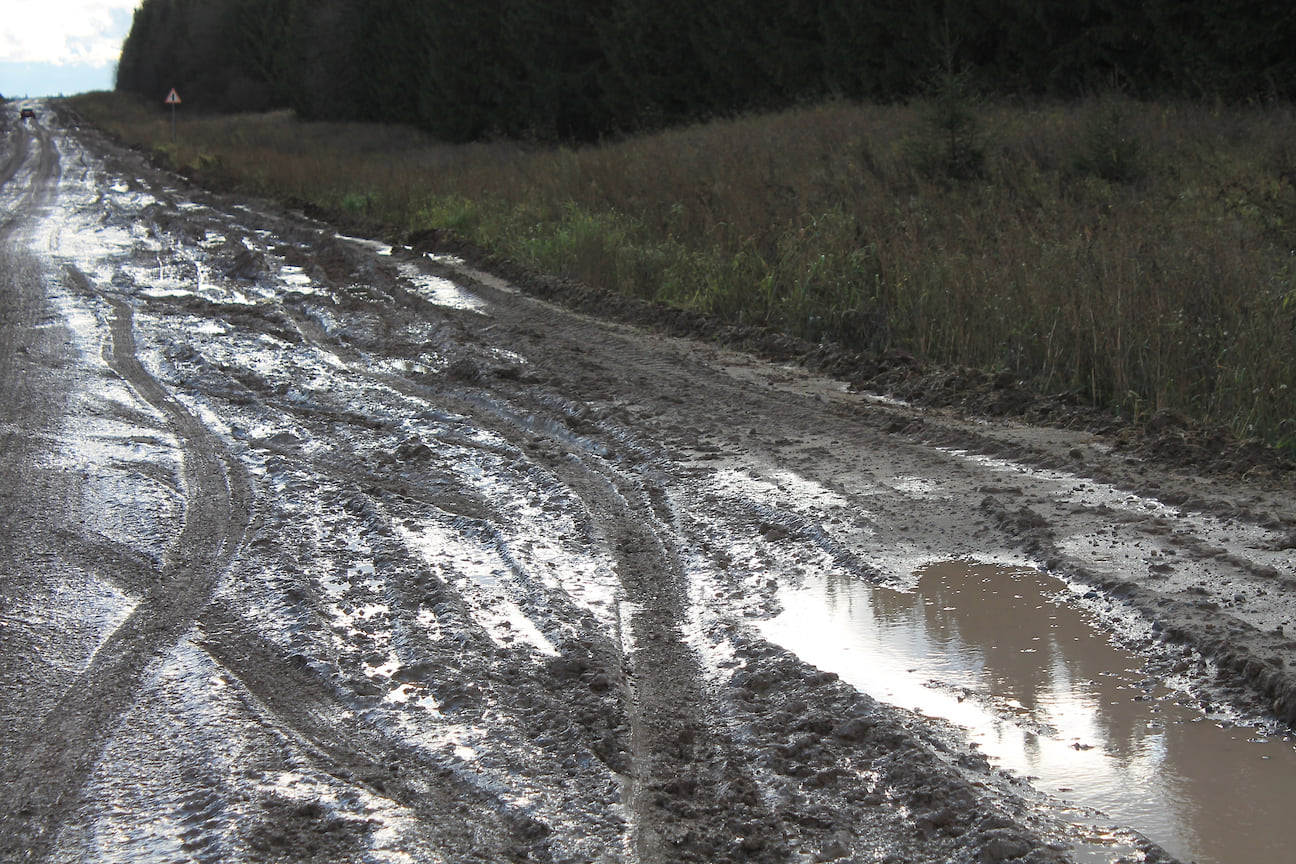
316, 549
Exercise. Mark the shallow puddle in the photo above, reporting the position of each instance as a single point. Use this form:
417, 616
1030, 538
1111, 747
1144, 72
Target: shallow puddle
1001, 652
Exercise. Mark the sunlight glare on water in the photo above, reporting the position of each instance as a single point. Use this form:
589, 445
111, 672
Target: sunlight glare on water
441, 292
1000, 652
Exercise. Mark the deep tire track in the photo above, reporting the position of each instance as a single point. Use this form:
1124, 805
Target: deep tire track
43, 187
30, 505
43, 778
13, 161
311, 712
679, 750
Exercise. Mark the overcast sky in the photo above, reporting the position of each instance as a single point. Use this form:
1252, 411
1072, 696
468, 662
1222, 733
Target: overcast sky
53, 47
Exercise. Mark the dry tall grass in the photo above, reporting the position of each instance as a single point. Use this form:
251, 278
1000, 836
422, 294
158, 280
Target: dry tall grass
1138, 255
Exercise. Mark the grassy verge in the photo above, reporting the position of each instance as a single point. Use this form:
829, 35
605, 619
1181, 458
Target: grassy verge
1141, 256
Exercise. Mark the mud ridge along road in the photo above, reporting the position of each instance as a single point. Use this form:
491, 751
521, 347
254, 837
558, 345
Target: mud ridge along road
317, 549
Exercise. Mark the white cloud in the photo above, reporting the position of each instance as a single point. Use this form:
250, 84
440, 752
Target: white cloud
64, 32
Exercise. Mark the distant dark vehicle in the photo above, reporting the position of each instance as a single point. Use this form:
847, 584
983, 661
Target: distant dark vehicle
27, 114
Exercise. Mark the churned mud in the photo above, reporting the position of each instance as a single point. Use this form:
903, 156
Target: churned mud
318, 548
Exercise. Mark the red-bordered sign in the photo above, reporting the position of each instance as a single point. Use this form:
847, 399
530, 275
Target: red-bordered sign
173, 98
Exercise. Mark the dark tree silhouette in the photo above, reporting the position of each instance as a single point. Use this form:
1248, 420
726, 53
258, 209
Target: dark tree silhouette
583, 69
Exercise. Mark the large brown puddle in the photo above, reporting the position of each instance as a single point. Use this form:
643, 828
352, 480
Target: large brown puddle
1005, 654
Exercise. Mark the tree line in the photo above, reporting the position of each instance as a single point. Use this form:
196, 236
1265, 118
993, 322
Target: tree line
579, 70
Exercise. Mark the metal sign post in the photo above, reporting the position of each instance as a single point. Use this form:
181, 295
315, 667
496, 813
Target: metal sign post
173, 99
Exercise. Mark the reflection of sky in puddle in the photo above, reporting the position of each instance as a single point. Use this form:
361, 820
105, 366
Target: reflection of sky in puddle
540, 539
460, 266
1044, 695
124, 469
207, 327
917, 487
884, 400
74, 619
387, 825
838, 522
377, 246
295, 278
439, 291
587, 578
396, 366
786, 487
128, 199
481, 576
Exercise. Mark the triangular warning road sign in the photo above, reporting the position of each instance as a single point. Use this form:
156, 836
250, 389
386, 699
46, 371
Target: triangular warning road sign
173, 98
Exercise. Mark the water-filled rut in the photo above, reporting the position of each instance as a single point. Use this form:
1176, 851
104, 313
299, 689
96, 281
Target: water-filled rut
1013, 656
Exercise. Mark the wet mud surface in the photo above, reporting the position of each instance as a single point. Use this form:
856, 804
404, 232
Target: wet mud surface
320, 549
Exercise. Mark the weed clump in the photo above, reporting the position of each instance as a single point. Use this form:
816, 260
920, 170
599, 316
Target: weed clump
1109, 148
948, 142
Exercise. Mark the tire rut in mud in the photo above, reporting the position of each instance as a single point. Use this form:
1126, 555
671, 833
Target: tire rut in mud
37, 193
43, 776
13, 161
679, 752
31, 405
298, 701
693, 797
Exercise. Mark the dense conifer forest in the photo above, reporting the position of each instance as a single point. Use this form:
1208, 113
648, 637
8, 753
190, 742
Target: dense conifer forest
582, 70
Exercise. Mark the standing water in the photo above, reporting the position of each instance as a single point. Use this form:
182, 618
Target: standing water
1002, 653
